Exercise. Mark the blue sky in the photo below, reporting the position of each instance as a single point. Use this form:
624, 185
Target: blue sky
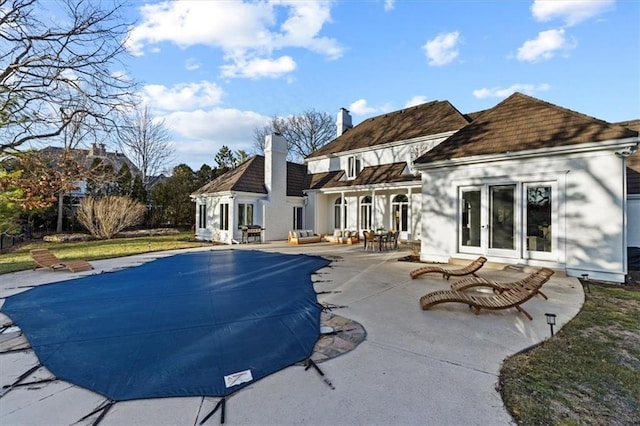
216, 70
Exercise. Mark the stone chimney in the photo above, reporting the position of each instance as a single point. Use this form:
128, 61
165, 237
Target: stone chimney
275, 167
97, 150
344, 121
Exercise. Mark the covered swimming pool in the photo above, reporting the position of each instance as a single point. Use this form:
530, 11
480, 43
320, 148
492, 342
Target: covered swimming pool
194, 324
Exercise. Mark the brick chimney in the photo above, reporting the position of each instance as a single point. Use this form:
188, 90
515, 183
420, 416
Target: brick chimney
343, 122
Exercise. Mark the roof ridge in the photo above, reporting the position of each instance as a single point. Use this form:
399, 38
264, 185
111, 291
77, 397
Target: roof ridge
552, 105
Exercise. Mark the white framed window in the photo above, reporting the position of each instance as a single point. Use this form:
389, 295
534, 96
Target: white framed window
202, 216
539, 213
366, 212
400, 209
245, 215
224, 216
339, 213
298, 218
354, 166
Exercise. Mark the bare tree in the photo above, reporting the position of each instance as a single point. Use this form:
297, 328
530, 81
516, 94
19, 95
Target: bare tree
54, 69
145, 141
104, 217
304, 133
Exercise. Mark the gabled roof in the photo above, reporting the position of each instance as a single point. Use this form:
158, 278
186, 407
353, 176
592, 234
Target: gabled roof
249, 177
372, 175
431, 118
633, 162
521, 123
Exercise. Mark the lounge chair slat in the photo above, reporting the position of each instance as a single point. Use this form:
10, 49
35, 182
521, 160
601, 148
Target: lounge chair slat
45, 259
447, 272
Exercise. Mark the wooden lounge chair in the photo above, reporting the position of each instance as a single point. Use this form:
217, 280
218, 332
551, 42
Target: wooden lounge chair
496, 286
512, 298
446, 272
45, 259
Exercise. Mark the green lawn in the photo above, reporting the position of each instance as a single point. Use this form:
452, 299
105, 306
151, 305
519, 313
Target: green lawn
20, 259
588, 373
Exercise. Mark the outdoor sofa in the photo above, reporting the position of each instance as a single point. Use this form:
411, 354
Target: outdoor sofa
303, 237
343, 237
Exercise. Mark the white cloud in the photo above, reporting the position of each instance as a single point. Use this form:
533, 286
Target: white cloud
442, 49
498, 92
571, 11
389, 4
198, 135
244, 31
545, 46
416, 100
256, 68
360, 107
230, 127
184, 96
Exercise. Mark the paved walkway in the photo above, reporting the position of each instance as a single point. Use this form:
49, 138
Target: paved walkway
415, 367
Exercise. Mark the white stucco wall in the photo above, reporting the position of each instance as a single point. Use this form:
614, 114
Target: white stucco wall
213, 232
588, 231
276, 211
394, 152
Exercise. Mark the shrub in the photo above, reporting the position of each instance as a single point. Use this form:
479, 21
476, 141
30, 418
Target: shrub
105, 216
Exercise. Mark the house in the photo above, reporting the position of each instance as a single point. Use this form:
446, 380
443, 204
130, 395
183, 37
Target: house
87, 159
633, 192
522, 182
264, 190
533, 183
363, 179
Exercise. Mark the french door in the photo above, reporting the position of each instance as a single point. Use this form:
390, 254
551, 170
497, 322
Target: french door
488, 220
508, 220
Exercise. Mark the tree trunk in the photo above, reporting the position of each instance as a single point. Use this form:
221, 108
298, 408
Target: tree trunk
60, 209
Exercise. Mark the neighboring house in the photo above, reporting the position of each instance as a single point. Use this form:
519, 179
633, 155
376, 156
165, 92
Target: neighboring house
87, 158
522, 182
532, 183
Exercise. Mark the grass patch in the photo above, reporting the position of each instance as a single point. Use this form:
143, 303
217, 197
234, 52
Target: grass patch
588, 373
20, 259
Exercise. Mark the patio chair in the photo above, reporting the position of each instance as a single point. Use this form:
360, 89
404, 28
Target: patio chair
470, 269
512, 298
392, 240
45, 259
496, 286
370, 240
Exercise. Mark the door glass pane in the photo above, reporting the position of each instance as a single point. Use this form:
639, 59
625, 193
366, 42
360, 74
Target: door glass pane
502, 227
470, 220
539, 218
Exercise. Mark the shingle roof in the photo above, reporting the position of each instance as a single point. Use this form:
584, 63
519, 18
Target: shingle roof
633, 162
372, 175
421, 120
249, 177
520, 123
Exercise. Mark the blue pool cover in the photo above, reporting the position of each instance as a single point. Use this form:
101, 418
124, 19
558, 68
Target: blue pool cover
196, 324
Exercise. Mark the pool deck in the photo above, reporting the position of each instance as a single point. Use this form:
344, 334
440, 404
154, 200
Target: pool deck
415, 367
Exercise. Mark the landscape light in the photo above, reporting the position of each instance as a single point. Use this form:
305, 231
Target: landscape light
585, 279
551, 320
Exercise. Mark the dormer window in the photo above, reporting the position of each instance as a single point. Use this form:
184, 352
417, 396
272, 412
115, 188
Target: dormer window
353, 167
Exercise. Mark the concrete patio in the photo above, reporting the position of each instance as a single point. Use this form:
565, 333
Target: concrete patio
415, 367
